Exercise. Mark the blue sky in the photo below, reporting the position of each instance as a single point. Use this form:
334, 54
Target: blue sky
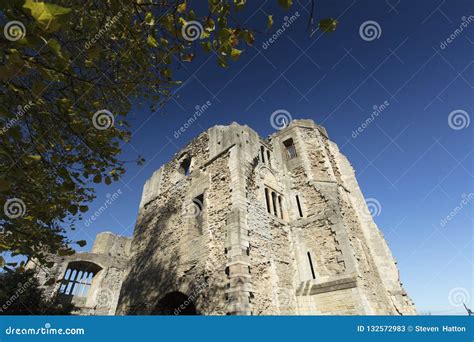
410, 159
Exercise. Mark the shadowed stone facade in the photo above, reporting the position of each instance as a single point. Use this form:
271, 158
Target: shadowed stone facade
235, 224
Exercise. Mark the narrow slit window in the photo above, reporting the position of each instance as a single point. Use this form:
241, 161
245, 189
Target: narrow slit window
82, 285
268, 158
197, 215
262, 152
267, 198
280, 203
199, 204
77, 283
311, 265
300, 211
290, 148
274, 202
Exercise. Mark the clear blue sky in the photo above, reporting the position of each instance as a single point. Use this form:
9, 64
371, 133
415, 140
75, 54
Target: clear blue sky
408, 158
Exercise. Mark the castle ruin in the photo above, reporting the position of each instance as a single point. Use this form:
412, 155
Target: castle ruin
238, 225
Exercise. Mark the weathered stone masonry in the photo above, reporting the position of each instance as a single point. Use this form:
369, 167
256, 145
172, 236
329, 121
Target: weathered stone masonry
238, 225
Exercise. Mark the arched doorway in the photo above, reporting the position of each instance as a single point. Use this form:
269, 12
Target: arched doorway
175, 303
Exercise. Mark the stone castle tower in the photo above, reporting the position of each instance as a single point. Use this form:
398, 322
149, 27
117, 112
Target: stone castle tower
238, 225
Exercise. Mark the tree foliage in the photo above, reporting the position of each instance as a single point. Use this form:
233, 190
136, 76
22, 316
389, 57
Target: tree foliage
69, 71
20, 294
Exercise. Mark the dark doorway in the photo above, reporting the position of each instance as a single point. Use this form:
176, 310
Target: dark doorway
175, 303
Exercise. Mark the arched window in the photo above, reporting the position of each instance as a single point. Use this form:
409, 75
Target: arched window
274, 202
290, 149
267, 198
185, 166
280, 204
78, 277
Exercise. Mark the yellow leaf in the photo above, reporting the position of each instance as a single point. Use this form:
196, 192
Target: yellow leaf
181, 7
270, 21
152, 41
46, 14
285, 3
235, 54
149, 19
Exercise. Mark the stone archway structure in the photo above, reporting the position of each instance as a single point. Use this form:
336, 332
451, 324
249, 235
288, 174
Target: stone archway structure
175, 303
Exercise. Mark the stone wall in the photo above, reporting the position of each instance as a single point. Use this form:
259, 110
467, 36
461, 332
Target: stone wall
178, 246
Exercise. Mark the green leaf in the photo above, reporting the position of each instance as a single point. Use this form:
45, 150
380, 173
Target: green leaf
207, 47
222, 62
166, 72
32, 158
97, 179
83, 208
328, 24
286, 4
249, 37
48, 15
56, 47
81, 243
73, 209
